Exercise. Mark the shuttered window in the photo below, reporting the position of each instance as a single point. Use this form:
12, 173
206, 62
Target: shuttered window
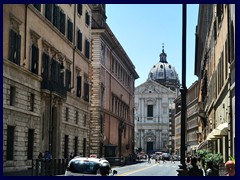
37, 6
14, 47
70, 30
12, 95
87, 44
30, 143
79, 9
68, 79
48, 11
66, 146
56, 16
10, 142
35, 60
32, 97
62, 22
79, 41
45, 65
86, 92
79, 86
87, 19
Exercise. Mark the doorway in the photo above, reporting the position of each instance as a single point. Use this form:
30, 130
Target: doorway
149, 147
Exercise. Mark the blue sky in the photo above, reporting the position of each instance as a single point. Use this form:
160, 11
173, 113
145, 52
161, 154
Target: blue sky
141, 29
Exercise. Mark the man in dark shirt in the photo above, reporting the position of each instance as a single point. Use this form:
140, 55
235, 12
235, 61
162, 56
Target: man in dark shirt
194, 170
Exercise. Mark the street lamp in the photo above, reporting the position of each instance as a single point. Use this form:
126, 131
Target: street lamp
183, 90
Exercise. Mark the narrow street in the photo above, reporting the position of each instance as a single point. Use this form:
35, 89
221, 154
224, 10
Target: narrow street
146, 169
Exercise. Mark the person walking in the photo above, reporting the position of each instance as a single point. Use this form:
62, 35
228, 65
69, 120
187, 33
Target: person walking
172, 159
194, 170
149, 158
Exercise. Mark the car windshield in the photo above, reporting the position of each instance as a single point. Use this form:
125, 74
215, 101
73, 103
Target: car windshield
84, 166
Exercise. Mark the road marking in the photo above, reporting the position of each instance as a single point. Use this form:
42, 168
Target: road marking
131, 172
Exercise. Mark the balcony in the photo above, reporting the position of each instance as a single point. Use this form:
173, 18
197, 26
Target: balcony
55, 87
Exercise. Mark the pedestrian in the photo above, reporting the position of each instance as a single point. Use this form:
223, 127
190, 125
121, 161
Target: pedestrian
163, 159
104, 169
172, 159
194, 170
230, 168
211, 171
149, 158
40, 156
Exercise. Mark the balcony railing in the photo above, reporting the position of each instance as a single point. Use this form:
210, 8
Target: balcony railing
54, 86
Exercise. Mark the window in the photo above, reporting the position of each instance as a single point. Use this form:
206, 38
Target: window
12, 95
76, 145
77, 116
34, 61
85, 120
86, 91
87, 20
37, 6
68, 80
14, 47
79, 41
56, 16
70, 30
32, 96
79, 9
150, 111
30, 143
84, 147
67, 113
10, 142
87, 44
79, 86
62, 22
45, 65
48, 12
66, 146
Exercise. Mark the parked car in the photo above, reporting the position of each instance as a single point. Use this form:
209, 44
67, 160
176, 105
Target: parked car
84, 166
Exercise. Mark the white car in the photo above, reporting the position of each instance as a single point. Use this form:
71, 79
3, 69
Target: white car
85, 166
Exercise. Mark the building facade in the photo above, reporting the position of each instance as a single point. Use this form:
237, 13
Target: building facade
154, 106
46, 65
192, 118
112, 88
215, 67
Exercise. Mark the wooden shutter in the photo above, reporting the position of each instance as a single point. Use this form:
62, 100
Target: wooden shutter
86, 91
68, 79
70, 30
79, 86
79, 45
62, 22
11, 45
79, 9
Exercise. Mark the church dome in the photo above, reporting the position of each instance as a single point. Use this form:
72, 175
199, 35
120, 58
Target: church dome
164, 73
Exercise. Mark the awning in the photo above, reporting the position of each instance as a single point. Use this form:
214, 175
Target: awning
222, 130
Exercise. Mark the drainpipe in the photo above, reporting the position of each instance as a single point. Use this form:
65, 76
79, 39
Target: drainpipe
74, 45
25, 34
230, 92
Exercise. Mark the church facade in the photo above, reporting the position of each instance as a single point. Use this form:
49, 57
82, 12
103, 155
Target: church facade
154, 102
